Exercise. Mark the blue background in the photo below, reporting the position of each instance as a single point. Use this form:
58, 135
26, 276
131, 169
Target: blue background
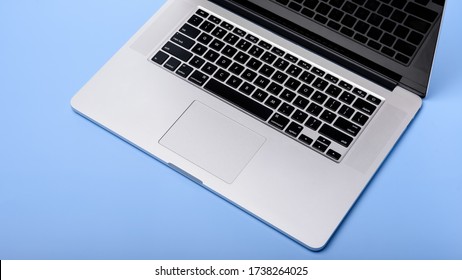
70, 190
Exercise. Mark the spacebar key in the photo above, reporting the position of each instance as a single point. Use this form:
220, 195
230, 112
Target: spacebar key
238, 99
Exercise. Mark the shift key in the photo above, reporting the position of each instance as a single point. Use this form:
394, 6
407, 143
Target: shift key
336, 135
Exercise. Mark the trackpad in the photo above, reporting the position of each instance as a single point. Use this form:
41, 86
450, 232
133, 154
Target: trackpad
212, 141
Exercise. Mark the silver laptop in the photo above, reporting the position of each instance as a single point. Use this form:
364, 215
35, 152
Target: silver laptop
285, 108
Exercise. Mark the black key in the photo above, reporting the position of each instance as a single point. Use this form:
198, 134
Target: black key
234, 81
273, 102
278, 51
217, 45
262, 81
229, 51
361, 27
172, 64
421, 12
214, 19
333, 154
295, 6
294, 70
275, 88
333, 104
197, 62
331, 78
202, 13
401, 31
388, 51
279, 121
364, 106
294, 129
401, 57
252, 38
207, 26
254, 64
304, 64
249, 75
292, 83
177, 51
281, 64
160, 57
198, 78
299, 116
404, 47
227, 25
224, 62
288, 95
335, 135
238, 99
374, 44
361, 38
305, 90
313, 123
239, 31
231, 39
388, 25
307, 77
182, 40
347, 126
320, 146
328, 116
184, 70
387, 39
305, 139
209, 68
398, 4
319, 97
205, 38
317, 71
243, 45
333, 91
347, 31
417, 24
264, 45
247, 88
359, 92
190, 30
345, 85
320, 84
346, 111
333, 25
260, 95
268, 57
199, 49
301, 102
266, 70
219, 32
211, 55
286, 109
241, 57
374, 99
221, 75
349, 7
323, 141
279, 77
314, 109
360, 118
415, 38
291, 58
349, 21
256, 51
347, 97
236, 68
320, 18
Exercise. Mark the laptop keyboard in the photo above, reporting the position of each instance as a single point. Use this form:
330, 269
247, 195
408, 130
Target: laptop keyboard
395, 28
290, 94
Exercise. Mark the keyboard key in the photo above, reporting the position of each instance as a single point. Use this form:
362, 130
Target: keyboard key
239, 32
246, 88
211, 55
242, 57
227, 25
279, 77
184, 70
328, 116
299, 116
209, 68
256, 51
317, 71
264, 45
347, 97
346, 111
319, 97
219, 32
229, 51
260, 95
335, 135
243, 45
199, 49
279, 121
236, 68
364, 106
160, 57
347, 126
221, 75
202, 13
262, 81
207, 26
421, 12
204, 38
238, 99
275, 88
182, 40
254, 64
294, 70
301, 102
231, 39
268, 57
217, 45
417, 24
234, 81
286, 109
345, 85
304, 64
307, 77
249, 75
172, 64
252, 38
294, 129
266, 70
360, 118
273, 102
333, 154
359, 92
190, 30
320, 84
197, 62
305, 90
373, 99
320, 146
292, 83
313, 123
333, 104
281, 64
198, 78
331, 78
405, 47
314, 109
177, 51
305, 139
288, 95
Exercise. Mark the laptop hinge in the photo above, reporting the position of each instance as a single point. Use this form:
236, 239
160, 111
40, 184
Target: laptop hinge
321, 46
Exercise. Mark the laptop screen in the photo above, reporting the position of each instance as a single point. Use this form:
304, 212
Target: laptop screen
391, 42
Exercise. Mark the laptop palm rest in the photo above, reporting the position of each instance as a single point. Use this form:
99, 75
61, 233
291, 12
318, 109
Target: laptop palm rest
212, 141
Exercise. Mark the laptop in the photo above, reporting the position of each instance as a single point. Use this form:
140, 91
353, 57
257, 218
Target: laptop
284, 108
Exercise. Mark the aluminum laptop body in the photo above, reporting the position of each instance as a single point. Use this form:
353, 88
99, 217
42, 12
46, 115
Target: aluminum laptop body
301, 188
